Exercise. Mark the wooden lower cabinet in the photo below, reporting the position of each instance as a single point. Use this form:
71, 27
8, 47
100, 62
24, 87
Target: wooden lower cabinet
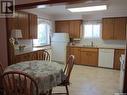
84, 56
76, 52
89, 56
117, 55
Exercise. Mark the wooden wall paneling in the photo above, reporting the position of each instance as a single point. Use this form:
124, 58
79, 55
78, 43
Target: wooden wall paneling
23, 24
12, 23
3, 43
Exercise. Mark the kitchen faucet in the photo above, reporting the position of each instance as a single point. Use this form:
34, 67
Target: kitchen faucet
92, 43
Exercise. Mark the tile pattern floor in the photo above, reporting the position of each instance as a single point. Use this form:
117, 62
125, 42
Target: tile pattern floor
92, 81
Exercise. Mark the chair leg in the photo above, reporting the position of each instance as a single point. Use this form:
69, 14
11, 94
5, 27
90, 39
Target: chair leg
50, 92
67, 90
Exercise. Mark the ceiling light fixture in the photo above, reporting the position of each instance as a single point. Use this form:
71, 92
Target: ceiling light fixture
88, 9
41, 6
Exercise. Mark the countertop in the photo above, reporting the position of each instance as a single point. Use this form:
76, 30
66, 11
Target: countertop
32, 49
99, 47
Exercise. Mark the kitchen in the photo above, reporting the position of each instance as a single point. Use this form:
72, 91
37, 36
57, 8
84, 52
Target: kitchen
83, 49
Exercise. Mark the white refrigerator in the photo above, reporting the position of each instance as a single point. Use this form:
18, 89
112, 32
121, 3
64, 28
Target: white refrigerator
59, 42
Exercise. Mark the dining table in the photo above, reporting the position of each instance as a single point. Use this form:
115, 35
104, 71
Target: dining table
47, 74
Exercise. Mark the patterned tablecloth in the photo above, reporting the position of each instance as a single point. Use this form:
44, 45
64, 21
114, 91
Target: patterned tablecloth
47, 74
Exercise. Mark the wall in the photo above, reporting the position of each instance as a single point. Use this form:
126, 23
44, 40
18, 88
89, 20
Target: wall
3, 43
27, 43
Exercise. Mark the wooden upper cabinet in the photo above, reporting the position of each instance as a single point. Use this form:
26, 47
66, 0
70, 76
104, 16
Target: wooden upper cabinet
117, 54
62, 26
114, 28
75, 28
107, 28
33, 26
23, 24
120, 28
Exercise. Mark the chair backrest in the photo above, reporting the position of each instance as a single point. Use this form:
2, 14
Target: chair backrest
33, 56
18, 83
69, 66
43, 55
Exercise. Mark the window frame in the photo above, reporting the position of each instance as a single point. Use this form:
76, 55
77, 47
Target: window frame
50, 32
92, 22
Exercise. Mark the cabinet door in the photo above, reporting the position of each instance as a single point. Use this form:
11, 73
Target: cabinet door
120, 29
75, 28
76, 52
93, 58
23, 24
62, 26
84, 58
33, 26
89, 57
118, 53
108, 28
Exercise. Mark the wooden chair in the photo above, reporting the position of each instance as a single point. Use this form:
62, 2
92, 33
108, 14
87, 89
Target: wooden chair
67, 72
43, 55
33, 56
18, 83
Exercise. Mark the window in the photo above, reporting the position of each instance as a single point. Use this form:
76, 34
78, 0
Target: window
44, 27
92, 30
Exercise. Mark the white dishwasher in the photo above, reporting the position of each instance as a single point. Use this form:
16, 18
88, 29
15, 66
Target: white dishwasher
106, 58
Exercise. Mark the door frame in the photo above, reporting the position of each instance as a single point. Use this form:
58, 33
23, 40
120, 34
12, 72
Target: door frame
125, 74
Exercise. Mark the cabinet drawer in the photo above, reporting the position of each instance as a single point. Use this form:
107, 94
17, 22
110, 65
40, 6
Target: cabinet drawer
89, 49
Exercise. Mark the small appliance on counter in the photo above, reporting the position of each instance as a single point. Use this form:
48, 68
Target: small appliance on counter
74, 41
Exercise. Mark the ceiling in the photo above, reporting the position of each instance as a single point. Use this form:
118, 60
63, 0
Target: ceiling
114, 6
